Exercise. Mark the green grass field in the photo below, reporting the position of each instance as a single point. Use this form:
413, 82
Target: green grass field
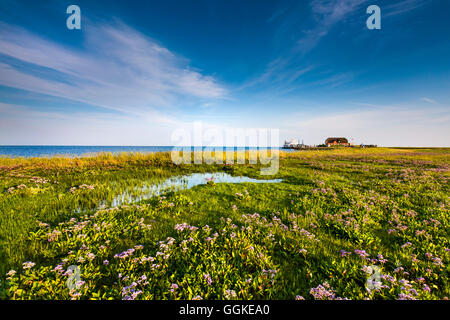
336, 218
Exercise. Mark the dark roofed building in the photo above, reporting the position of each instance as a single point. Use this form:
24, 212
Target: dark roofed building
336, 142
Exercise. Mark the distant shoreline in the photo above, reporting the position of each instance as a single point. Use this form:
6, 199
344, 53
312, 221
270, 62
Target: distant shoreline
43, 151
77, 151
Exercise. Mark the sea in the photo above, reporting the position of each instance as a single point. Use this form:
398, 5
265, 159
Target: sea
83, 151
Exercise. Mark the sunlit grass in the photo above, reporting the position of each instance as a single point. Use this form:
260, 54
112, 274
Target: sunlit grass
314, 235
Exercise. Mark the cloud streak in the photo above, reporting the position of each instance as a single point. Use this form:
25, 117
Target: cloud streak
326, 15
402, 7
119, 69
428, 100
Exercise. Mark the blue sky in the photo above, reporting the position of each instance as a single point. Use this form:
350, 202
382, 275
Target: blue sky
137, 71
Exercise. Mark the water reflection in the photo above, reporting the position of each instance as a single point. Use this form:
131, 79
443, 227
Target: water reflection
149, 190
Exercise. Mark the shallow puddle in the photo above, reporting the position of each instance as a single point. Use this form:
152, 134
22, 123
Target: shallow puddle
148, 191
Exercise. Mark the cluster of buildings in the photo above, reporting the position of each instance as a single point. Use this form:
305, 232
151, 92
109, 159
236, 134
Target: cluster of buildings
329, 142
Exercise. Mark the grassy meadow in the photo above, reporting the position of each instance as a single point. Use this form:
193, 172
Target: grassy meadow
336, 217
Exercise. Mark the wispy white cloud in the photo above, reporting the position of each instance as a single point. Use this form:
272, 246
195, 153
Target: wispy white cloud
326, 15
119, 69
402, 7
277, 14
282, 74
335, 80
278, 75
428, 100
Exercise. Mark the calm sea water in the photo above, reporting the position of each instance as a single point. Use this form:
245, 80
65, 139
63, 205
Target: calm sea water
76, 151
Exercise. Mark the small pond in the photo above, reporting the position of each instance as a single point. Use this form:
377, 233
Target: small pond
150, 190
